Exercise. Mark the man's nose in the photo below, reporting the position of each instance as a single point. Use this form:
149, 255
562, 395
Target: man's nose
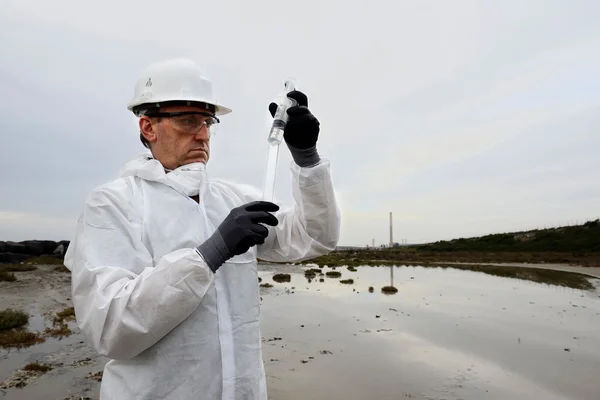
203, 134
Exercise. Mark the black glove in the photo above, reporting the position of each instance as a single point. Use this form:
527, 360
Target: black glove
302, 130
240, 230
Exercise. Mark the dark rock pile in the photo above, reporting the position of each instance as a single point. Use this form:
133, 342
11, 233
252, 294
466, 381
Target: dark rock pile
16, 252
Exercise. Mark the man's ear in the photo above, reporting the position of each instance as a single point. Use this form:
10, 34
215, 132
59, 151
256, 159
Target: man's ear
147, 129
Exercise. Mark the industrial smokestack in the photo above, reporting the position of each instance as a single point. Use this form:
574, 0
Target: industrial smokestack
391, 232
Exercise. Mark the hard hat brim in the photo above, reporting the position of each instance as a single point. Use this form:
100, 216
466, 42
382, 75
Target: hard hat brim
219, 109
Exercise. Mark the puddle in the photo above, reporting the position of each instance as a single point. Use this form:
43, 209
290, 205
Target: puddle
445, 334
71, 358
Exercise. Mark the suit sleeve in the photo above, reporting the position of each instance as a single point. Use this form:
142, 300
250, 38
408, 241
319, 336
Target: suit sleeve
123, 302
310, 226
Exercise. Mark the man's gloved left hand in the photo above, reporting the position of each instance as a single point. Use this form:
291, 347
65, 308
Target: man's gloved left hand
301, 132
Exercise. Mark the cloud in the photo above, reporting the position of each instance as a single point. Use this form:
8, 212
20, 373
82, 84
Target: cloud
461, 118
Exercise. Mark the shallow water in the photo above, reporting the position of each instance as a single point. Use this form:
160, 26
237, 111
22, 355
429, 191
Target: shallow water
72, 359
446, 334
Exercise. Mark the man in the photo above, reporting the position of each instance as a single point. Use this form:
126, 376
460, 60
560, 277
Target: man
164, 271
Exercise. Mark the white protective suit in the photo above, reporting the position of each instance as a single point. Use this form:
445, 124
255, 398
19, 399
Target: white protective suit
144, 297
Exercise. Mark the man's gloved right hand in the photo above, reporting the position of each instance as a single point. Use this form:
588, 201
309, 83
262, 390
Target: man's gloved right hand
240, 230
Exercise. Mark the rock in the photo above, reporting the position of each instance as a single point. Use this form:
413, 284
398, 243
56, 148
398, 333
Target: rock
13, 252
39, 247
60, 251
13, 258
12, 247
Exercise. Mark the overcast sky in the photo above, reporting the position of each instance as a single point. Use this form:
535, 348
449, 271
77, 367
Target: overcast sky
462, 118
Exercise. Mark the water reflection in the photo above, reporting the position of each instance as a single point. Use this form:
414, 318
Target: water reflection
453, 333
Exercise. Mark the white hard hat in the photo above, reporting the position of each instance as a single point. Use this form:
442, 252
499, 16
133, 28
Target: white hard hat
173, 80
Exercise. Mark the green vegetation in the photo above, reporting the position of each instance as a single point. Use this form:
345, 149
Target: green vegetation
45, 260
16, 267
7, 277
19, 338
12, 333
351, 269
10, 319
6, 271
333, 274
266, 285
567, 245
569, 239
347, 281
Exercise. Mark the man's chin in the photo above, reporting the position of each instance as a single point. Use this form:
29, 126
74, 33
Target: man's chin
195, 160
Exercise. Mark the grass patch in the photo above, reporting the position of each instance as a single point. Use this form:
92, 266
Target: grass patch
10, 319
371, 289
61, 268
12, 333
266, 285
16, 267
321, 280
19, 338
45, 260
7, 277
333, 274
282, 278
37, 367
347, 281
351, 269
456, 252
389, 290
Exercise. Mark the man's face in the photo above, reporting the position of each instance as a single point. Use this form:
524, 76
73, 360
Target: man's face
178, 140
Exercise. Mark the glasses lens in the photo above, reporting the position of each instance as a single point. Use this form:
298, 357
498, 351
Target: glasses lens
193, 123
212, 129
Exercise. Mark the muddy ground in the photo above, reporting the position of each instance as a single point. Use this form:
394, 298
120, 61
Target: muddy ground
446, 334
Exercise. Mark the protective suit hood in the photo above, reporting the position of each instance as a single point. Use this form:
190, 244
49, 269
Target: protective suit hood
187, 179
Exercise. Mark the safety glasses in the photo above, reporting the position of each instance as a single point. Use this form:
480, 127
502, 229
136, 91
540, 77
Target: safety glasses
190, 122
